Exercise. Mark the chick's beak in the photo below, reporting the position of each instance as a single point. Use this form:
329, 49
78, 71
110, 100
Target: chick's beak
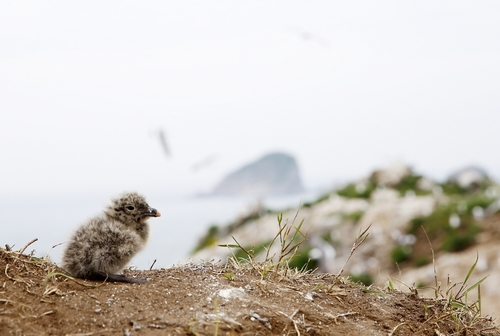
153, 212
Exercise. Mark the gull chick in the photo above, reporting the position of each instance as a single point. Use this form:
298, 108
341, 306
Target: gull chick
104, 245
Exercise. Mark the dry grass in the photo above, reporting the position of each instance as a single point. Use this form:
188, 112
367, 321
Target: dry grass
289, 238
454, 306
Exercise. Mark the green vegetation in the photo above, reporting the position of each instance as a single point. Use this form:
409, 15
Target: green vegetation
320, 199
364, 278
458, 240
400, 254
357, 190
452, 188
360, 190
302, 261
480, 200
354, 216
441, 233
214, 232
437, 225
410, 182
450, 227
421, 261
209, 239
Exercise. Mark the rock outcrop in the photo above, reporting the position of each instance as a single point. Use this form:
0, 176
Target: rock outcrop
469, 177
406, 212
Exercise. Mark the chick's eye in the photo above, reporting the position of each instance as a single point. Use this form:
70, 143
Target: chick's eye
130, 208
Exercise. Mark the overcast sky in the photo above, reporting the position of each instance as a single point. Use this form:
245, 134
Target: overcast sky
345, 87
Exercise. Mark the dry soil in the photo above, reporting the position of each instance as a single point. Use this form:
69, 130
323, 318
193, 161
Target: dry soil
208, 299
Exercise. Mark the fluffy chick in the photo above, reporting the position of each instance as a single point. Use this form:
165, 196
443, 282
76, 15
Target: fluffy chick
105, 244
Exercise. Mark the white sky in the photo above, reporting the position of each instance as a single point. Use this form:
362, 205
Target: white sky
344, 86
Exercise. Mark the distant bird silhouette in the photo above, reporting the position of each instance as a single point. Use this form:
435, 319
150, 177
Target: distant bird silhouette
204, 163
105, 244
308, 36
163, 142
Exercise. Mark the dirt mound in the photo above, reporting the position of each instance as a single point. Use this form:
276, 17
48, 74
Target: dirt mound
207, 299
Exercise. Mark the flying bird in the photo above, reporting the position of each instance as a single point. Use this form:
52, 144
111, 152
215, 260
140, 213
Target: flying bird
204, 163
163, 142
310, 37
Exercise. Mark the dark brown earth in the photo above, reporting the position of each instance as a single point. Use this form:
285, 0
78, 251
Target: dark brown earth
210, 299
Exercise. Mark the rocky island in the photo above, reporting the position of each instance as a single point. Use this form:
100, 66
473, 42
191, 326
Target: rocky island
275, 174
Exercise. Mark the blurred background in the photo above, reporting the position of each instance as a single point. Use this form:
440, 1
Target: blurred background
168, 98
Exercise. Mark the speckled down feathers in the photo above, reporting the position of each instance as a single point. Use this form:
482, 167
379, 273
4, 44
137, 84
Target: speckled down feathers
107, 243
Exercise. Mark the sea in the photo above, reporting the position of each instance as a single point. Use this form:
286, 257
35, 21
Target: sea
184, 219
